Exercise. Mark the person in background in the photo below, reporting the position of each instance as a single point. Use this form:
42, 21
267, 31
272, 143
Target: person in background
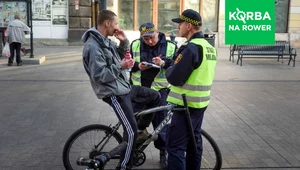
153, 47
2, 40
15, 36
192, 74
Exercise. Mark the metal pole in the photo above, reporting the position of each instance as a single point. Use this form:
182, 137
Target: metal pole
189, 122
31, 33
96, 12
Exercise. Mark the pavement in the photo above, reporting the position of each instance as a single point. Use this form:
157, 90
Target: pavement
254, 113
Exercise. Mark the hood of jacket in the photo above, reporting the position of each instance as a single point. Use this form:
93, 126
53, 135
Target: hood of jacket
101, 61
97, 36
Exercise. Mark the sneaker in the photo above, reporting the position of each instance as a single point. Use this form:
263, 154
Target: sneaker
19, 64
142, 136
9, 64
163, 159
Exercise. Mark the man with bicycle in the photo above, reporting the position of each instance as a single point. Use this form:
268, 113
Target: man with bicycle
195, 63
105, 65
153, 47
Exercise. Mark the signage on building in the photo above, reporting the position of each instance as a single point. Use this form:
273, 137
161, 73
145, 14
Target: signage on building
249, 22
8, 9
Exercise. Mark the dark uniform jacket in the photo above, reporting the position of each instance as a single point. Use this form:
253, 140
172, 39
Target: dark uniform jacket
147, 53
191, 59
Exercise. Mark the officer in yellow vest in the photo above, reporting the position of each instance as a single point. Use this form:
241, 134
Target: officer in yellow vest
153, 48
192, 74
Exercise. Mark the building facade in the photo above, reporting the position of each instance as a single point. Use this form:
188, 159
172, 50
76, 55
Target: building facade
69, 19
132, 13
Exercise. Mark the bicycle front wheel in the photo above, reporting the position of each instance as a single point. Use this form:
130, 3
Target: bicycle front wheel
90, 141
211, 155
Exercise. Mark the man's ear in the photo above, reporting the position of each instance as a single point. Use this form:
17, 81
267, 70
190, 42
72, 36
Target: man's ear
190, 26
107, 23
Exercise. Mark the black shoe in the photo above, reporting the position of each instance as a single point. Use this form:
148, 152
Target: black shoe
142, 136
9, 64
163, 159
19, 64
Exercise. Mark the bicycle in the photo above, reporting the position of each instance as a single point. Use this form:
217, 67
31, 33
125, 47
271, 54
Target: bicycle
211, 155
100, 161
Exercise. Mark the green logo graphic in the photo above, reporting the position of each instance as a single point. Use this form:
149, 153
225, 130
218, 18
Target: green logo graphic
250, 22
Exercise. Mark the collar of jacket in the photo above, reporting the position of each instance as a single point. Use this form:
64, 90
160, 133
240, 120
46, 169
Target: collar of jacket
104, 42
197, 35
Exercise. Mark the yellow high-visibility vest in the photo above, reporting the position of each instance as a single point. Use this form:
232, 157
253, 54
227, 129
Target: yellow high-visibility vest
160, 80
197, 87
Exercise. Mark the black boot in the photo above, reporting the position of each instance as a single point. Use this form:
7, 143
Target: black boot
163, 159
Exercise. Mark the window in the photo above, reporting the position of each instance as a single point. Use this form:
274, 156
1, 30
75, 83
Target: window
133, 13
282, 8
210, 12
125, 14
167, 10
192, 4
145, 12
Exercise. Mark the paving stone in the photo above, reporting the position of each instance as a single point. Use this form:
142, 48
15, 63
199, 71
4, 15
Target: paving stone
253, 115
270, 162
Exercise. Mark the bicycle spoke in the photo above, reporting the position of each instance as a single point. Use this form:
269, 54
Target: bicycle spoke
87, 144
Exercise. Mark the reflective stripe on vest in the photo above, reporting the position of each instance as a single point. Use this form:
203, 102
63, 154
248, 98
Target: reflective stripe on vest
197, 87
160, 80
136, 76
190, 98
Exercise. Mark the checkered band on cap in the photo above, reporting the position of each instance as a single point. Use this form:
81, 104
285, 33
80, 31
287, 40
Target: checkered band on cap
189, 20
147, 30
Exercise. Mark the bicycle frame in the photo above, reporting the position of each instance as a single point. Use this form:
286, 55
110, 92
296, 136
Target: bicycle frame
152, 136
162, 124
169, 107
111, 131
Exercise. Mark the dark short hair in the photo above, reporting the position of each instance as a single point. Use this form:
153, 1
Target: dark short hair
105, 15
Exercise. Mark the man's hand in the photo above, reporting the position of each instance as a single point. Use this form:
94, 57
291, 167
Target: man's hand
127, 63
158, 61
120, 35
143, 66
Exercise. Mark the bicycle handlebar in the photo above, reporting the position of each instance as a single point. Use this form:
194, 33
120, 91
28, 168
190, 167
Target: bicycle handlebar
101, 160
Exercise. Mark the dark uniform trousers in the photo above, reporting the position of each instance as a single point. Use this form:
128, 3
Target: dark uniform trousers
179, 141
149, 98
160, 143
123, 107
15, 47
144, 98
1, 42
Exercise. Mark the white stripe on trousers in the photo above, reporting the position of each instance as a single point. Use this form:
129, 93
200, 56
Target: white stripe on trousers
128, 129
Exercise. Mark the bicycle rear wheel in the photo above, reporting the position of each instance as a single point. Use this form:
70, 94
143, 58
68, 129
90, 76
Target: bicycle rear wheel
90, 141
211, 155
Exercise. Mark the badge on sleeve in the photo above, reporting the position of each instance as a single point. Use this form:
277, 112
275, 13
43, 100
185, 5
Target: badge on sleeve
178, 58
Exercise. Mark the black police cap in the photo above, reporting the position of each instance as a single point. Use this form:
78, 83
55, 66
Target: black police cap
189, 16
